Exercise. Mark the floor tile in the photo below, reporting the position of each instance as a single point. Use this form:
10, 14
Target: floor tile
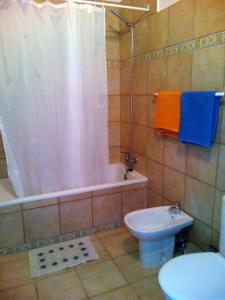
148, 289
120, 244
14, 273
108, 233
100, 278
123, 293
16, 256
131, 268
66, 286
24, 292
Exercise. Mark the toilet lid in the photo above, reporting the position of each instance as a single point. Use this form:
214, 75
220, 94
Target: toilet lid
199, 276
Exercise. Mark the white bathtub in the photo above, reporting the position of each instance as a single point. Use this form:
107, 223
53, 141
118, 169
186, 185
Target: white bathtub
115, 178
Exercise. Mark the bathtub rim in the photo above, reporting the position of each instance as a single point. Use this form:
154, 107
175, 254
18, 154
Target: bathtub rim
138, 178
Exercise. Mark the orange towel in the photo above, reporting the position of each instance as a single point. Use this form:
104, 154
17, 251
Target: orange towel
167, 114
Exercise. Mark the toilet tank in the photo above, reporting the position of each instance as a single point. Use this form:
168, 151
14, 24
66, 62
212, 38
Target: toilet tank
222, 228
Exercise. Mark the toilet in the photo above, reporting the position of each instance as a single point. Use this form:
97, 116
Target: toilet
198, 276
155, 228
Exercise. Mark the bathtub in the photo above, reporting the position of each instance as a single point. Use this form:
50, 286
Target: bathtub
114, 178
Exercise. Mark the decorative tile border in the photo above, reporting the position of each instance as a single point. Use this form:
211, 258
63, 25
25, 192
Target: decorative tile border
58, 238
189, 46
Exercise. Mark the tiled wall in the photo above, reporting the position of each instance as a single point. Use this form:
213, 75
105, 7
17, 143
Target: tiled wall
173, 53
60, 216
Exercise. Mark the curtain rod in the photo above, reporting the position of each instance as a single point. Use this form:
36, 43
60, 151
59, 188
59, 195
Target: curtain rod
217, 94
111, 5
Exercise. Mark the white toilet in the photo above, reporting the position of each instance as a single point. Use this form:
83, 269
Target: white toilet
156, 228
199, 276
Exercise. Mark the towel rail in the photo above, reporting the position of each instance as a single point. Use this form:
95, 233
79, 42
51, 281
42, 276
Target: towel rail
217, 94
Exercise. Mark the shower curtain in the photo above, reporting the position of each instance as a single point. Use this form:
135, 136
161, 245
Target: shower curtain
53, 95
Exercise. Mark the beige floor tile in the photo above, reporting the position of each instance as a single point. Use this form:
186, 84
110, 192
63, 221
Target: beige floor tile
100, 278
14, 273
123, 293
148, 289
24, 292
120, 244
131, 268
66, 286
13, 257
104, 234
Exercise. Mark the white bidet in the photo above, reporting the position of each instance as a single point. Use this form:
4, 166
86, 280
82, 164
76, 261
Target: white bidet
156, 228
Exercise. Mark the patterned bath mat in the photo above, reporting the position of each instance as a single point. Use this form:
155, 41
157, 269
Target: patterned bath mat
61, 256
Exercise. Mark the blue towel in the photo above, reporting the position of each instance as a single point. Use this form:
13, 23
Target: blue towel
199, 113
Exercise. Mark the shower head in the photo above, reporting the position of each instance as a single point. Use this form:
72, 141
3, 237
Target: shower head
122, 18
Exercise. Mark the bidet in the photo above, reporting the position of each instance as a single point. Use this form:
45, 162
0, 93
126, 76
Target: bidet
156, 229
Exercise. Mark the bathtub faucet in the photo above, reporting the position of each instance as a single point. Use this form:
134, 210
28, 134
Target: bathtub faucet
130, 161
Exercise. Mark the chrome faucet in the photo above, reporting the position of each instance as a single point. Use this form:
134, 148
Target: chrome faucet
175, 209
130, 161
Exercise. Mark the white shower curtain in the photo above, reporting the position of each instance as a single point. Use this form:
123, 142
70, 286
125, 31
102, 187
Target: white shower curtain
53, 95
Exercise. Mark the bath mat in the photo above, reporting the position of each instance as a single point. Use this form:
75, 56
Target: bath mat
61, 256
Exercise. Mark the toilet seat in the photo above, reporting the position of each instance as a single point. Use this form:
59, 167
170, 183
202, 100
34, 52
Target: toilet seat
199, 276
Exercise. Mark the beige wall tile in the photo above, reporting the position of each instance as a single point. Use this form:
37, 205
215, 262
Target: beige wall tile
155, 175
208, 68
24, 292
107, 191
114, 155
154, 199
140, 110
11, 208
155, 145
125, 45
202, 163
11, 229
134, 200
199, 200
181, 19
113, 75
14, 273
125, 109
3, 168
102, 277
179, 72
134, 186
158, 29
141, 37
151, 110
114, 134
141, 165
124, 134
2, 151
157, 75
112, 23
75, 197
209, 16
174, 185
61, 286
125, 81
217, 209
40, 223
114, 108
41, 203
201, 235
112, 45
107, 209
215, 239
175, 154
76, 215
140, 79
139, 139
220, 182
222, 123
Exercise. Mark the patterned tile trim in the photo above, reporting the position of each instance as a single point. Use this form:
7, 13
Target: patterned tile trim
113, 63
189, 46
58, 238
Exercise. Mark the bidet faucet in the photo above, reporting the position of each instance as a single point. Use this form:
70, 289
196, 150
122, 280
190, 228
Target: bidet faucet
175, 209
